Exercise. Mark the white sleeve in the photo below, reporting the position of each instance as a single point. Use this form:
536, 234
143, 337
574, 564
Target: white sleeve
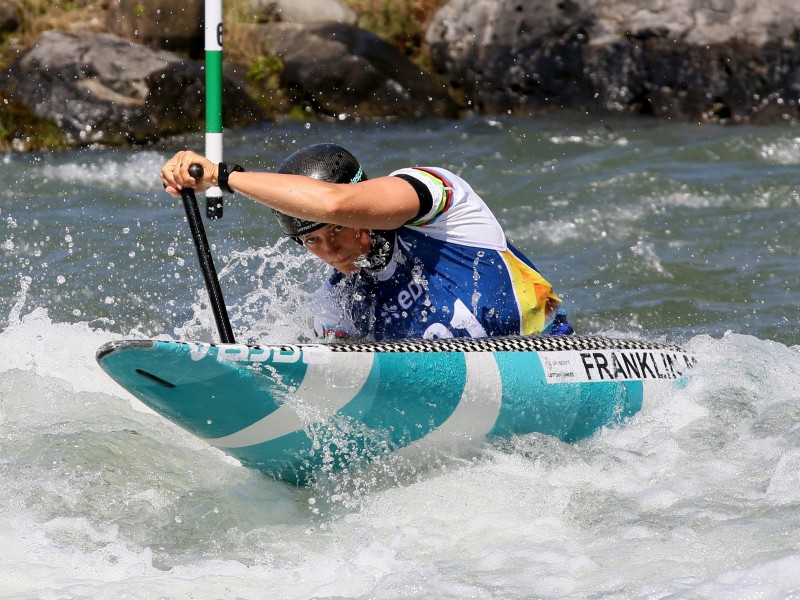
457, 214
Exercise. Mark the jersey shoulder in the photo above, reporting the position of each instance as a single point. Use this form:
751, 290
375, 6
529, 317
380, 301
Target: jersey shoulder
457, 213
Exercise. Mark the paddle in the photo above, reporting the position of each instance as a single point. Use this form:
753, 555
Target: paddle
206, 261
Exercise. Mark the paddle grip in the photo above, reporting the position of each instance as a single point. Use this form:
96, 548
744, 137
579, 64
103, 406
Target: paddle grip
196, 170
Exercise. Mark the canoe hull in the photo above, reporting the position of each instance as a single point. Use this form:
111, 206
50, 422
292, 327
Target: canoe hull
292, 410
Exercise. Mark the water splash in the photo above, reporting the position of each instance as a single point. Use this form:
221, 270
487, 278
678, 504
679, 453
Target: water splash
277, 282
648, 260
15, 315
137, 171
782, 152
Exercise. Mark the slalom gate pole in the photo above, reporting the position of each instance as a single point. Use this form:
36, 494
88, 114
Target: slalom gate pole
213, 50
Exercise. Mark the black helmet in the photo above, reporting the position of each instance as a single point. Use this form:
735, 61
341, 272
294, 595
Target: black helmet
326, 162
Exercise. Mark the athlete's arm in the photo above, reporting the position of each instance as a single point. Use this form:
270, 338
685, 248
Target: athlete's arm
380, 203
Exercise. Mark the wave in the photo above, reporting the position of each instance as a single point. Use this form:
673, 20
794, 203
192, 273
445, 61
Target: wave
703, 479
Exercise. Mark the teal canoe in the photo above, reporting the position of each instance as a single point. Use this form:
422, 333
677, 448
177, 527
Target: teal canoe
291, 410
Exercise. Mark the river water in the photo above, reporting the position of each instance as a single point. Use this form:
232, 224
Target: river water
673, 233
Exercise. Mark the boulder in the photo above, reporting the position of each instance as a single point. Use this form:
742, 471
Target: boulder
348, 73
304, 12
104, 89
719, 60
175, 26
10, 16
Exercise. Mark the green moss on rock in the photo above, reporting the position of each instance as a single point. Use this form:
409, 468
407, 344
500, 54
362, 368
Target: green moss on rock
23, 131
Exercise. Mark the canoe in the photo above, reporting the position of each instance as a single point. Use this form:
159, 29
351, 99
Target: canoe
294, 410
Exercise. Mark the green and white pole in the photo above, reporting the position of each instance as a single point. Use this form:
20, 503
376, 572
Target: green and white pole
213, 47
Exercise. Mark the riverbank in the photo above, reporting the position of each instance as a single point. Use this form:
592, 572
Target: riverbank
256, 68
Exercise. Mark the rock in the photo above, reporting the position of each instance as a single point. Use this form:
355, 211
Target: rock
175, 26
10, 16
303, 12
720, 60
103, 89
347, 73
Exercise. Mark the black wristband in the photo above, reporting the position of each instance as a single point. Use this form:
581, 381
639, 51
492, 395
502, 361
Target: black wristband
223, 171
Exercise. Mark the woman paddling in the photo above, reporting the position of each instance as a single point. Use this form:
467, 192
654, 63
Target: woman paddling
416, 254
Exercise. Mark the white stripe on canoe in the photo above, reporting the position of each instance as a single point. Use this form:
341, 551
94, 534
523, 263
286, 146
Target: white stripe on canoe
475, 415
324, 390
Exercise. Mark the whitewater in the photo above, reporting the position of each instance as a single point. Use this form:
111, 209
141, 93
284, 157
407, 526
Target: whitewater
679, 234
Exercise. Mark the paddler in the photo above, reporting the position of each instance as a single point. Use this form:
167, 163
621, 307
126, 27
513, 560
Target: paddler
415, 254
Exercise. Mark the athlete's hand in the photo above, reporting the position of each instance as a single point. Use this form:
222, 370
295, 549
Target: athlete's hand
175, 173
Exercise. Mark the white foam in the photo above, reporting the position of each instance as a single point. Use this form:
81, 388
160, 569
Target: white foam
781, 152
696, 495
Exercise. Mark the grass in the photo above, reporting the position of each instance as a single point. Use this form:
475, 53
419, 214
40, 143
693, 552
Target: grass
400, 22
21, 130
39, 16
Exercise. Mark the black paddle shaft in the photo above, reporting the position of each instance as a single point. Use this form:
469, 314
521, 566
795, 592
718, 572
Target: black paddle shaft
206, 260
